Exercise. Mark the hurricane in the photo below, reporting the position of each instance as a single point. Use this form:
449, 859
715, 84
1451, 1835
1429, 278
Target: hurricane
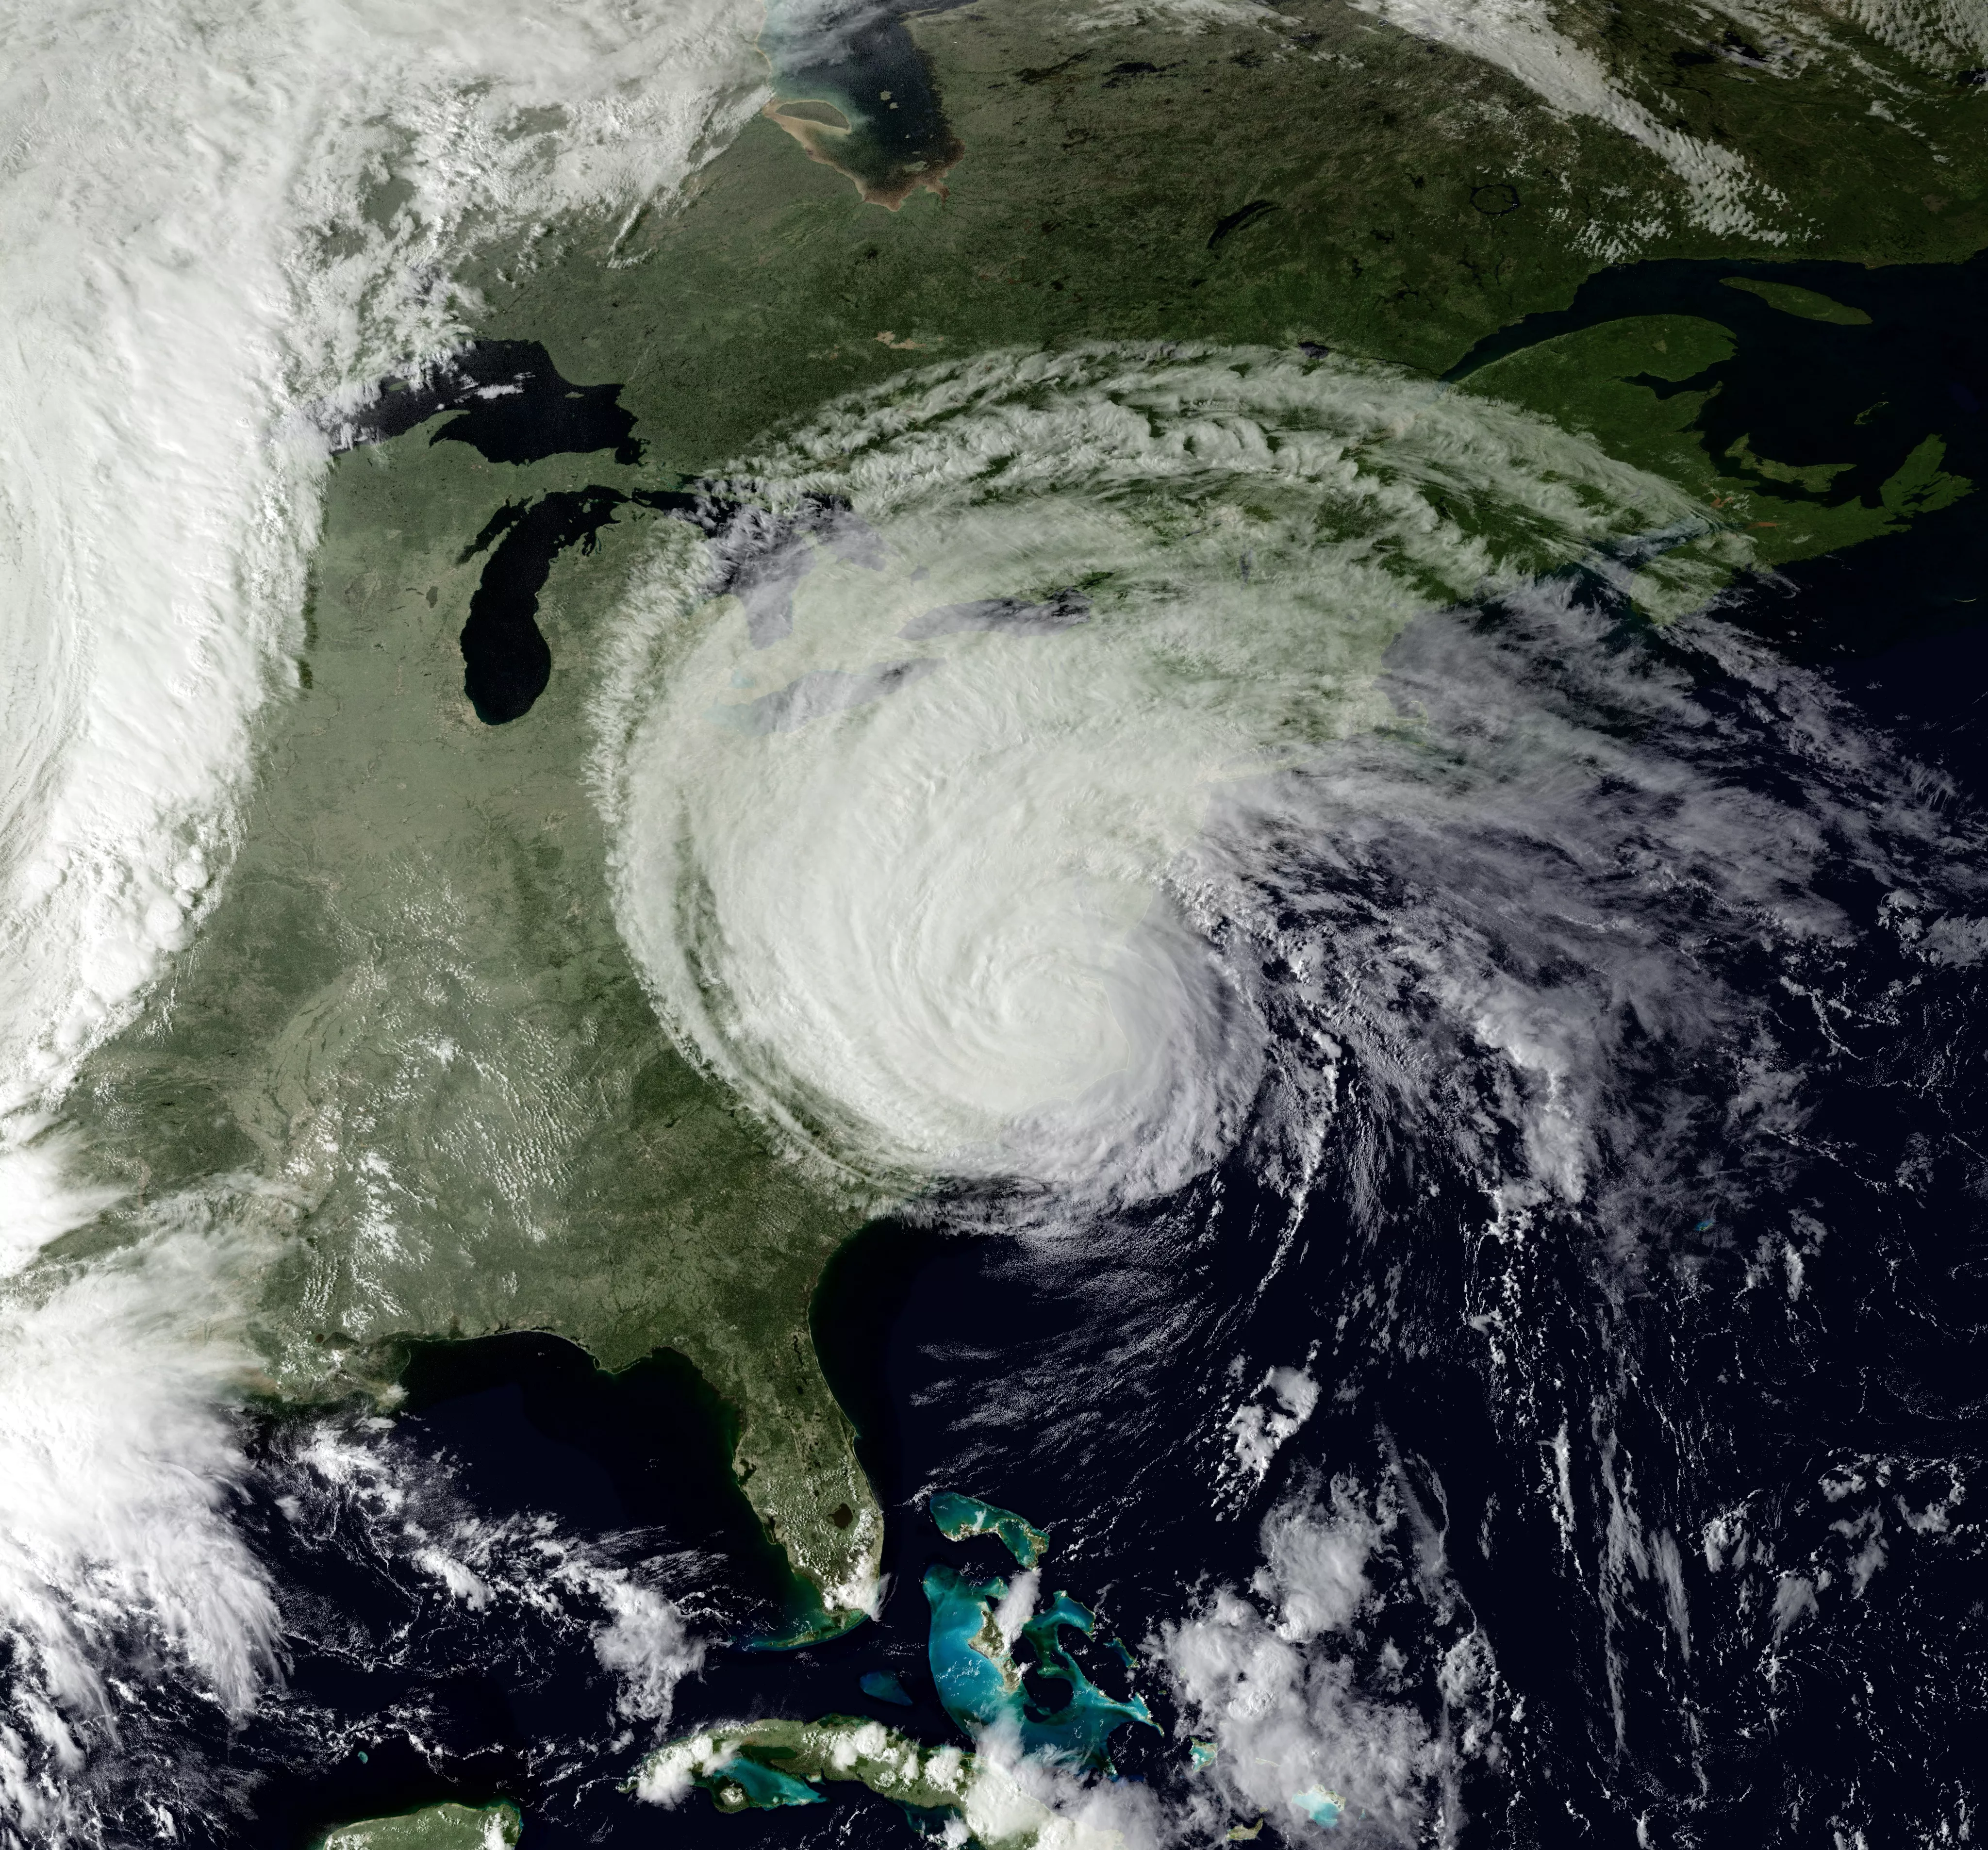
909, 813
1500, 967
1113, 979
1318, 851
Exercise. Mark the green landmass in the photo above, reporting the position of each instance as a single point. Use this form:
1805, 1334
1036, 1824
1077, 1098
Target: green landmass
731, 1764
958, 1517
411, 1014
1101, 163
1608, 381
409, 1033
1811, 305
494, 1827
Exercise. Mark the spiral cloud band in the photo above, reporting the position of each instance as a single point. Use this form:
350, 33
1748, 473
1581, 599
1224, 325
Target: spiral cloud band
900, 808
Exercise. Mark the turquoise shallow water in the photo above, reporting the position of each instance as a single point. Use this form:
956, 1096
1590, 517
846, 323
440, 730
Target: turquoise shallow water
1079, 1730
1321, 1807
982, 1688
766, 1787
972, 1687
959, 1517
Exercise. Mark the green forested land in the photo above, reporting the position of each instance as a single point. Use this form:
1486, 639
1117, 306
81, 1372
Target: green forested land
411, 1008
1087, 201
435, 1828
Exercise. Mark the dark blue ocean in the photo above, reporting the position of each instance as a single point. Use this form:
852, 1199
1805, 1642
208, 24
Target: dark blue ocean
1682, 1468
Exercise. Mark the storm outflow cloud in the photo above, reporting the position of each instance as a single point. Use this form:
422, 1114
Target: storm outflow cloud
907, 881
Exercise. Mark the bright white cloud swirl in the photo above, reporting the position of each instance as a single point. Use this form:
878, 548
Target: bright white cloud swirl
899, 811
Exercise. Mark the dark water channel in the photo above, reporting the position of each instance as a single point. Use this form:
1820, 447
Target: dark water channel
1807, 391
511, 405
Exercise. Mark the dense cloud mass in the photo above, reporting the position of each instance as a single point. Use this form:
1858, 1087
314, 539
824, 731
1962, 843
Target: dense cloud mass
910, 882
1269, 1675
222, 224
121, 1470
1054, 788
1471, 885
